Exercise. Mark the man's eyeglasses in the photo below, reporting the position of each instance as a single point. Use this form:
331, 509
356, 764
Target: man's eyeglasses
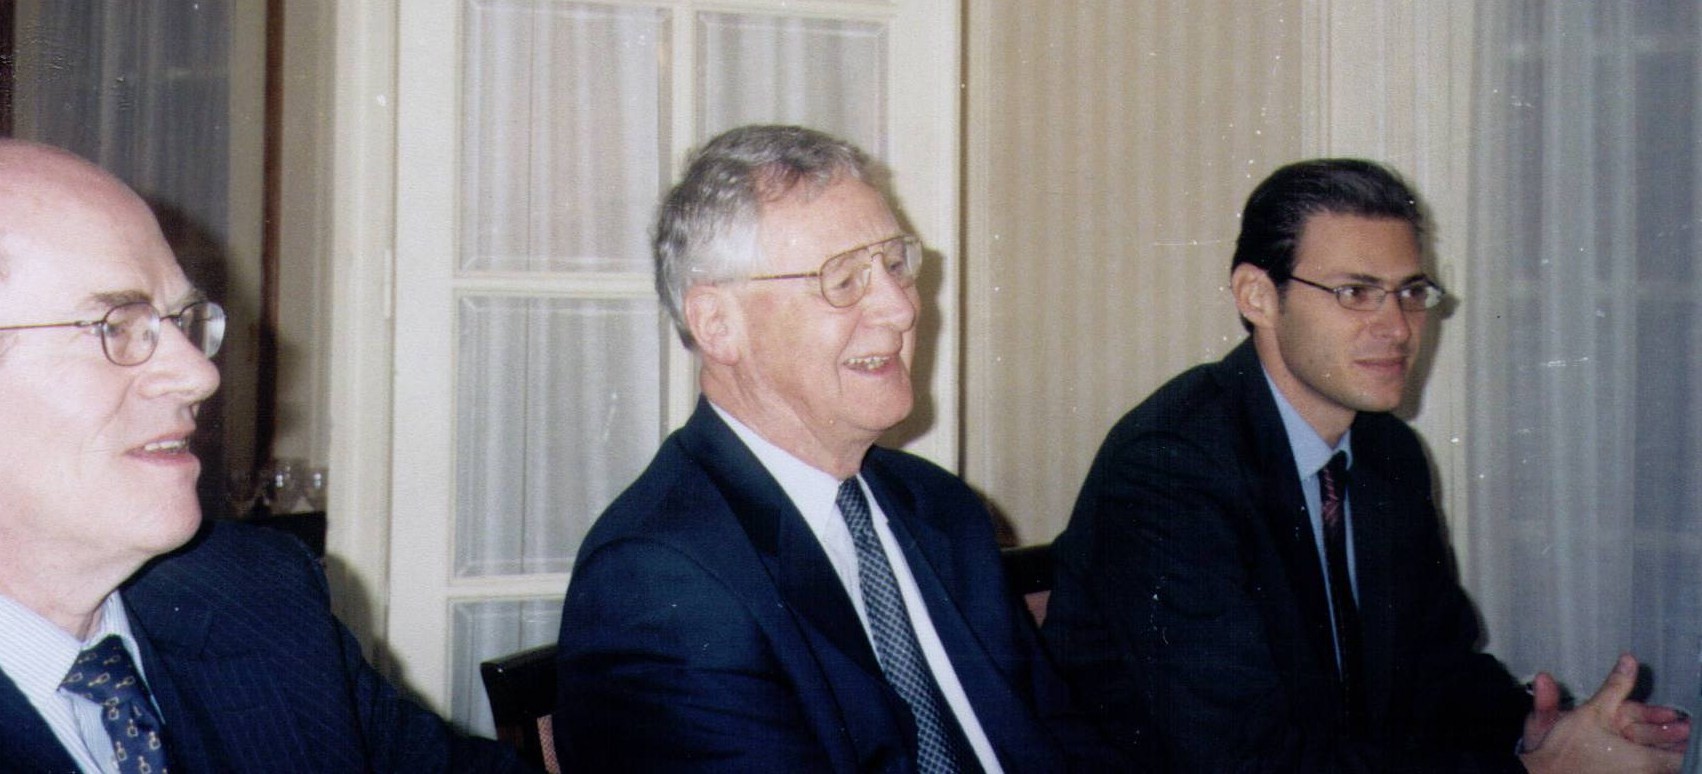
129, 333
845, 277
1362, 297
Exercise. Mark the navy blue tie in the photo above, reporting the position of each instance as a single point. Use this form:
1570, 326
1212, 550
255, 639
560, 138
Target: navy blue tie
940, 744
105, 675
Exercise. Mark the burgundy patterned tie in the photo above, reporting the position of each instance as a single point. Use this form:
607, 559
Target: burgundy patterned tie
1333, 482
105, 675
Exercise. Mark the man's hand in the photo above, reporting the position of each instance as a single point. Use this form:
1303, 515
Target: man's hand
1600, 735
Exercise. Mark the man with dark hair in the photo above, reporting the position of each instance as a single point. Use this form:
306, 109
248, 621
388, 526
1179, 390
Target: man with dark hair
1255, 576
133, 636
775, 593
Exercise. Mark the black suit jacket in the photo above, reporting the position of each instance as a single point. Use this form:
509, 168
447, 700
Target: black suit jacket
253, 674
705, 629
1190, 612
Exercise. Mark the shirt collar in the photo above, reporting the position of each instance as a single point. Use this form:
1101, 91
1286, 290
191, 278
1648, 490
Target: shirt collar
1311, 454
37, 654
810, 489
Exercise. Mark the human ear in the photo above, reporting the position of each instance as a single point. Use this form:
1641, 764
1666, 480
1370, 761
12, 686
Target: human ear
716, 325
1255, 295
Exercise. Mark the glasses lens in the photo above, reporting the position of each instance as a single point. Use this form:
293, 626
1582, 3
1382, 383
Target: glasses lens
203, 323
844, 277
130, 332
1419, 297
904, 260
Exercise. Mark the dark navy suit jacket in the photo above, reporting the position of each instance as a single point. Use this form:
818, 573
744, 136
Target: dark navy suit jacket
253, 674
705, 629
1190, 613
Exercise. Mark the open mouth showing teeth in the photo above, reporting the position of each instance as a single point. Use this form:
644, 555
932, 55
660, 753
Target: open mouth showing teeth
870, 363
168, 447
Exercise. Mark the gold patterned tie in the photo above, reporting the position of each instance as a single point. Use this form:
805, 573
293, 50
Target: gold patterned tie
105, 675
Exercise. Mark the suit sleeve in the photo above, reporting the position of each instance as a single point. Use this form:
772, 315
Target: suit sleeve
661, 668
1462, 698
1165, 639
399, 735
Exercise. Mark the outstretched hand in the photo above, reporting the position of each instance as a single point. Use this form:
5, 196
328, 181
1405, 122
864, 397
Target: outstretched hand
1601, 734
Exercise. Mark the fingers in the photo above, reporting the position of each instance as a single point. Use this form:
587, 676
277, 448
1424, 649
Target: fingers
1545, 711
1673, 735
1545, 694
1615, 689
1667, 728
1653, 713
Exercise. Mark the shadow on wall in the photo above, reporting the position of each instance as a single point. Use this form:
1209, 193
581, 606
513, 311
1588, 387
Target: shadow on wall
225, 432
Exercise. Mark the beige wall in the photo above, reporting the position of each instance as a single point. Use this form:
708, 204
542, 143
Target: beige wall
1110, 147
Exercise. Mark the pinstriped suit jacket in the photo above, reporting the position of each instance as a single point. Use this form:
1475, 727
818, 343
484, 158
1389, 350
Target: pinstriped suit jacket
253, 673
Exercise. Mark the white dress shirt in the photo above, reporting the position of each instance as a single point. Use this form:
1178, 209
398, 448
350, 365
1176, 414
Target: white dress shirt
813, 492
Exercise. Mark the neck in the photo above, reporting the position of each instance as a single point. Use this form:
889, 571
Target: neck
55, 588
775, 421
1328, 419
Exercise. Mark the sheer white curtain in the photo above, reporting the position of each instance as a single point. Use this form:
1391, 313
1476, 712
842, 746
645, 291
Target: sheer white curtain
1584, 321
167, 96
561, 348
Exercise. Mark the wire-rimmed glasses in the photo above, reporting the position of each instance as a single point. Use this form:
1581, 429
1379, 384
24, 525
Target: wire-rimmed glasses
845, 277
129, 333
1365, 297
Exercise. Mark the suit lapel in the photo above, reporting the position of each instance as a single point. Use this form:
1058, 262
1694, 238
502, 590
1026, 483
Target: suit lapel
227, 703
928, 550
163, 641
1373, 503
26, 741
1278, 492
790, 552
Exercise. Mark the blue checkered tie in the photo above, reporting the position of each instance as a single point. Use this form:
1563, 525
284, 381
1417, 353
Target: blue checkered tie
940, 745
105, 675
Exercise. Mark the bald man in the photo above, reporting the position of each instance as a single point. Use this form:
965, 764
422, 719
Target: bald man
133, 636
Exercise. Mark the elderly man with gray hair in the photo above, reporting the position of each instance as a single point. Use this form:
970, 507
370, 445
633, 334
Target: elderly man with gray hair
776, 593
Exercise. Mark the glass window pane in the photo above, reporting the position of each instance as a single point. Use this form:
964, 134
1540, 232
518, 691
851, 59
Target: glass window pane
558, 408
563, 136
826, 74
486, 630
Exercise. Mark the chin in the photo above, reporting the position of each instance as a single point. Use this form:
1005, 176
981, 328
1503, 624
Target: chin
177, 523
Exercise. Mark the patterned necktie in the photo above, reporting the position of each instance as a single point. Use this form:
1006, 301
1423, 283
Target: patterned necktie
940, 745
105, 675
1333, 483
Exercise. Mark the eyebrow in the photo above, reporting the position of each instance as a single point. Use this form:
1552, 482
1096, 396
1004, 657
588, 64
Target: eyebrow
122, 297
1368, 279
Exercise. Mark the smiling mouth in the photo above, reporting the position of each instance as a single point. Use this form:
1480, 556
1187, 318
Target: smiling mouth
871, 363
174, 446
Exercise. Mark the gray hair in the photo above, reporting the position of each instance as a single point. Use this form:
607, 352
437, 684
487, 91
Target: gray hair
706, 230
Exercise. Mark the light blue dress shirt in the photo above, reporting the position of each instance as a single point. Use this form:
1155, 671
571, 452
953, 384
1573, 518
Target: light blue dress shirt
1311, 455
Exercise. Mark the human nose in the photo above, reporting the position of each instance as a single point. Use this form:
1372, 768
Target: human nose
1391, 321
179, 367
890, 302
